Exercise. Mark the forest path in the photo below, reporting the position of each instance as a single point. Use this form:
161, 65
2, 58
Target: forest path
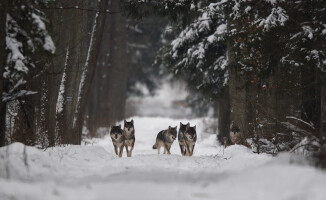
95, 172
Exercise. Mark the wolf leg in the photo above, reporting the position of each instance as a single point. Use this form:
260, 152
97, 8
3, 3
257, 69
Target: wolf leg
192, 150
131, 148
167, 149
127, 150
187, 150
115, 149
164, 152
121, 151
158, 150
182, 149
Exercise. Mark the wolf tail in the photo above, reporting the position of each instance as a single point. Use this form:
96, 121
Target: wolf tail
154, 146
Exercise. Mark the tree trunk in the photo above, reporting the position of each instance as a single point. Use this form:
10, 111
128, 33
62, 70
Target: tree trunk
107, 102
224, 116
3, 14
117, 76
75, 56
238, 100
323, 106
98, 106
89, 69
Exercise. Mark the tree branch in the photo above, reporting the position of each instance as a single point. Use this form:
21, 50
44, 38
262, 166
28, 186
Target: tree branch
83, 9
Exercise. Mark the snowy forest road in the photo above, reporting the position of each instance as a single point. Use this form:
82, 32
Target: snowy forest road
95, 172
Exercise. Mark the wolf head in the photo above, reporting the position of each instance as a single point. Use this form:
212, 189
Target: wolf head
234, 129
172, 133
128, 126
190, 133
183, 127
116, 132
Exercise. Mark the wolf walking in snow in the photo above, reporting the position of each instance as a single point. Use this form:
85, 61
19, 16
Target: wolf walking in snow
165, 139
129, 136
190, 138
117, 139
181, 139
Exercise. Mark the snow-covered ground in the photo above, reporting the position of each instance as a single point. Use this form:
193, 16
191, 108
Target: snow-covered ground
94, 171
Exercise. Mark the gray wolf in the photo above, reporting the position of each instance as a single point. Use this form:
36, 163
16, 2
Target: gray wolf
181, 139
236, 136
117, 139
129, 136
165, 139
190, 138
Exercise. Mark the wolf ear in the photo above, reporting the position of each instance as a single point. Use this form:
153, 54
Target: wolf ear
169, 127
188, 124
132, 121
125, 121
119, 125
175, 127
195, 127
180, 124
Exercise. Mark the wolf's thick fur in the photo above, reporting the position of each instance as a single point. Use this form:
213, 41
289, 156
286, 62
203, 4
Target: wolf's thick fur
165, 139
181, 139
236, 136
129, 136
117, 139
190, 138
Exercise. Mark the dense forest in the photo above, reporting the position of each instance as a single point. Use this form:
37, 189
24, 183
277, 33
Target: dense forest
69, 66
162, 99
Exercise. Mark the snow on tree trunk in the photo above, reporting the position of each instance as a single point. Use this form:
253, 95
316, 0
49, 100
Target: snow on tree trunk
89, 70
75, 34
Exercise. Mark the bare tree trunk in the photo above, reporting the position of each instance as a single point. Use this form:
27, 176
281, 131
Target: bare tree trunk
98, 106
3, 14
117, 84
323, 106
60, 25
238, 100
75, 23
224, 116
89, 69
107, 102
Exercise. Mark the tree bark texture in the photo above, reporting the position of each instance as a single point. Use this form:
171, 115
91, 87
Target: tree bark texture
107, 102
89, 68
3, 14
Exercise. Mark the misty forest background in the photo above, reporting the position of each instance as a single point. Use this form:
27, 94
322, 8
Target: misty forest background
69, 67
